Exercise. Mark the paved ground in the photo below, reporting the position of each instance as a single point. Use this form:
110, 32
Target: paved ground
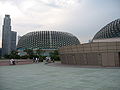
53, 77
17, 62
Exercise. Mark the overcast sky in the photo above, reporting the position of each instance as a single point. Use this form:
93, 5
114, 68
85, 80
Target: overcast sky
82, 18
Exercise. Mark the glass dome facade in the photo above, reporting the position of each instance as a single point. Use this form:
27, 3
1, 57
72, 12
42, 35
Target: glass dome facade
111, 30
47, 40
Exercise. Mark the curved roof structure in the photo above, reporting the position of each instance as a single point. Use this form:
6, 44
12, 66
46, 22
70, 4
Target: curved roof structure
111, 30
47, 40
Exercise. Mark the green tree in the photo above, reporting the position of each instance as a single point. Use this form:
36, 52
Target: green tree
39, 51
14, 55
24, 57
29, 54
55, 55
6, 56
29, 51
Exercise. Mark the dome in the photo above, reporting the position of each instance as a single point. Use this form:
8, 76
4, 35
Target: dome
47, 40
110, 31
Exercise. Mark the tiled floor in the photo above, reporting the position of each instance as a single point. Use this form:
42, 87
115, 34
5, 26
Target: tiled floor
48, 77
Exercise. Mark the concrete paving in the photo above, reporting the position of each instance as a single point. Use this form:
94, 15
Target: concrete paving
48, 77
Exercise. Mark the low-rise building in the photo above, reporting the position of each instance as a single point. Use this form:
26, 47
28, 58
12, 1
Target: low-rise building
96, 53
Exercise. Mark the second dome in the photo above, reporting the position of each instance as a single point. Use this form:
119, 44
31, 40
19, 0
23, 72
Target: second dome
47, 40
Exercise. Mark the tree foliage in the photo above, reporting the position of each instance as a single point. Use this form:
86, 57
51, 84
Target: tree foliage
39, 52
14, 55
55, 55
29, 51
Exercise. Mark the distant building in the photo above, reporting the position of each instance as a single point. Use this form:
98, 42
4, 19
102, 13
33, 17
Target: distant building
8, 37
47, 41
0, 51
19, 37
13, 40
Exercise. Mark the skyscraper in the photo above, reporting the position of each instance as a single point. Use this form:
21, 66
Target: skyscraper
13, 40
8, 37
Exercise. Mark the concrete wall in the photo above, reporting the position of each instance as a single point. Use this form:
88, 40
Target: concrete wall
107, 40
96, 53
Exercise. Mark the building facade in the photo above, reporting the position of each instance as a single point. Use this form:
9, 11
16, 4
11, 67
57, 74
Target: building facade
8, 37
46, 40
105, 54
13, 40
0, 52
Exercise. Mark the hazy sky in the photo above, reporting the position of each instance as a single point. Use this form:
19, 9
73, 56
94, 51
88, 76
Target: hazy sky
82, 18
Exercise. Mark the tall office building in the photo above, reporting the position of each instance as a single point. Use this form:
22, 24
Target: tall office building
8, 37
13, 40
